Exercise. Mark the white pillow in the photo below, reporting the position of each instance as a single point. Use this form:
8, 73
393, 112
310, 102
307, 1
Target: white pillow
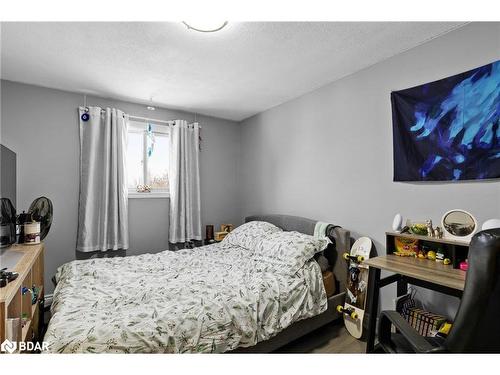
248, 234
288, 251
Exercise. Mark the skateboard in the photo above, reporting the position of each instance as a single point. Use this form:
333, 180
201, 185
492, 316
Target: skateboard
357, 286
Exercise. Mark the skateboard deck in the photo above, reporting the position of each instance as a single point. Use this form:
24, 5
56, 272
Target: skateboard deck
357, 287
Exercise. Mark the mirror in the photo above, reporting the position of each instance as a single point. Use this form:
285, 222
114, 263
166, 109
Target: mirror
459, 224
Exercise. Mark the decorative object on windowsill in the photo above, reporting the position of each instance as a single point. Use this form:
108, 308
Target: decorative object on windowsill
143, 189
490, 224
397, 223
459, 225
209, 233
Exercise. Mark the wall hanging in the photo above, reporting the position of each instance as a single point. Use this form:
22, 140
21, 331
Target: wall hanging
448, 129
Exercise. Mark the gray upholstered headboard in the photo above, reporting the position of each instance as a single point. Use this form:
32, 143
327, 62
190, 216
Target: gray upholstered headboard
341, 240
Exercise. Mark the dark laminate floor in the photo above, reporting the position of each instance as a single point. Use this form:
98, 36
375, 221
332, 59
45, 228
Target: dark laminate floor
332, 338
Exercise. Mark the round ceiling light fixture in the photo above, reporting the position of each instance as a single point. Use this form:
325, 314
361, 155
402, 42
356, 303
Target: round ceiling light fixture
205, 26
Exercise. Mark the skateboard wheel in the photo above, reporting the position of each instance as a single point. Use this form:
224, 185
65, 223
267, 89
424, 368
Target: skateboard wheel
360, 258
346, 256
340, 309
354, 315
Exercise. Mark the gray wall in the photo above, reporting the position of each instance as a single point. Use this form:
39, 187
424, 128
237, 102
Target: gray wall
328, 154
41, 126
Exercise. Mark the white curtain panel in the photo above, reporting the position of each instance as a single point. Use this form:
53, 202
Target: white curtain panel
103, 209
184, 179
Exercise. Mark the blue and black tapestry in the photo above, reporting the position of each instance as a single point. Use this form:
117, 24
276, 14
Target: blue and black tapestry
448, 129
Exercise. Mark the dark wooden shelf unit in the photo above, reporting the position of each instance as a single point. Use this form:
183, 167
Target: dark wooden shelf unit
457, 251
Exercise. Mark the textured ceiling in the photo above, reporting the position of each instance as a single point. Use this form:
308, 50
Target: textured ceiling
242, 70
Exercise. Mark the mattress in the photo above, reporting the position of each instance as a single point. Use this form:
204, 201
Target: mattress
210, 299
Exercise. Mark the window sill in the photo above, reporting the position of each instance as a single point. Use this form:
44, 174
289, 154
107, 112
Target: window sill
134, 195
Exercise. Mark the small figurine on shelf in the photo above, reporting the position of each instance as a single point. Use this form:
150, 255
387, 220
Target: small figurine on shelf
430, 231
464, 266
421, 254
440, 256
438, 233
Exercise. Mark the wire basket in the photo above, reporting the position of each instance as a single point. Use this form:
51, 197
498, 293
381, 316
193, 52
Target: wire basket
424, 322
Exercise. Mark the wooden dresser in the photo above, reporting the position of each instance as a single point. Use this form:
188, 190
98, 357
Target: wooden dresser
15, 304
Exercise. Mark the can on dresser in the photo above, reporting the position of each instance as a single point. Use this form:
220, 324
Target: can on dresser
32, 232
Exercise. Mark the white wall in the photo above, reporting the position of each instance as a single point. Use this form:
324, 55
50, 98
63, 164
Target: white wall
328, 154
41, 126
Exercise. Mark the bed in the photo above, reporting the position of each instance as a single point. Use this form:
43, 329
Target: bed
212, 299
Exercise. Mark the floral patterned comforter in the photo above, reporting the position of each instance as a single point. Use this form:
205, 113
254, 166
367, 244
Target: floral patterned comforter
210, 299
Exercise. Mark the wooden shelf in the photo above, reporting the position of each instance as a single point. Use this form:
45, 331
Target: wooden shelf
457, 251
422, 269
12, 303
23, 267
428, 238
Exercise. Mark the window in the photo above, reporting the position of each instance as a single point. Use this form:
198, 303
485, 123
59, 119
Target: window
147, 159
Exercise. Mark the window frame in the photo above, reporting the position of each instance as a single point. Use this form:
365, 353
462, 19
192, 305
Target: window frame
140, 127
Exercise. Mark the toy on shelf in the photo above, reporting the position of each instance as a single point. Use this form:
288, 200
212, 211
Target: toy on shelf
419, 229
406, 247
464, 266
430, 230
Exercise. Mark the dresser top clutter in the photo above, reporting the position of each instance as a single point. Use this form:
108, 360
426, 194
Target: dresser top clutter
29, 254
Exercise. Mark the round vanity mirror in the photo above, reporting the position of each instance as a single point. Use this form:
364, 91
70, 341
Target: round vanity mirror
459, 225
